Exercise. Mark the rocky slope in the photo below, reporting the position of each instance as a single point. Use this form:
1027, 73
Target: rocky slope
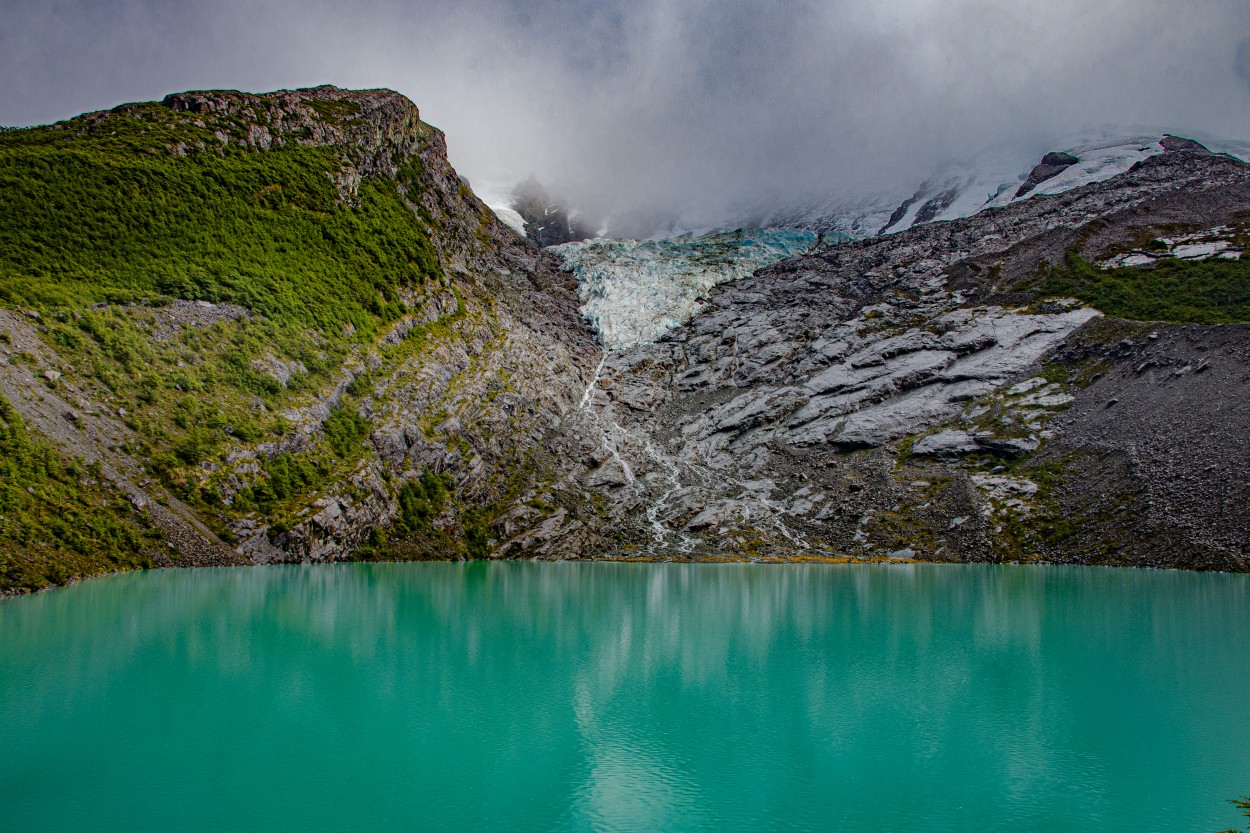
546, 220
918, 396
445, 428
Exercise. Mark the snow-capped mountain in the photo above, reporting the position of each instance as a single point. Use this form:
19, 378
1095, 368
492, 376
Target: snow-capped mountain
633, 291
993, 179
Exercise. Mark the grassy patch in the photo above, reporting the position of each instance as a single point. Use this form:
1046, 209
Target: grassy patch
187, 395
1177, 291
87, 218
333, 109
285, 476
58, 520
344, 430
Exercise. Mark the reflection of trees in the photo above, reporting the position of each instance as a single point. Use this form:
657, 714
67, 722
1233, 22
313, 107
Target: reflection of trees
611, 692
1242, 803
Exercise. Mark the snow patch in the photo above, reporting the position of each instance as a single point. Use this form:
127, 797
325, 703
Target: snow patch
1203, 245
509, 218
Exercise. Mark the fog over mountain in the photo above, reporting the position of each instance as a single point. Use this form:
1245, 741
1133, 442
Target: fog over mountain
716, 108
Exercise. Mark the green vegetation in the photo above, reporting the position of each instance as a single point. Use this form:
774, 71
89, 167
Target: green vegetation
110, 222
1046, 526
344, 429
420, 502
1244, 805
286, 476
413, 535
334, 108
109, 214
185, 393
59, 521
104, 220
1176, 291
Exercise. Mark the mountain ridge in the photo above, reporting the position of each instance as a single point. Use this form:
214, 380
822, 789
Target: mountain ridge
306, 340
896, 395
993, 177
316, 334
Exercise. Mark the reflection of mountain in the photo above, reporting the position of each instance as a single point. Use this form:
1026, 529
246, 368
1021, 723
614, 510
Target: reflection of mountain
529, 697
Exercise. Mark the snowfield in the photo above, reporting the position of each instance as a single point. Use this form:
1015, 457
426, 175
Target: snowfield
993, 179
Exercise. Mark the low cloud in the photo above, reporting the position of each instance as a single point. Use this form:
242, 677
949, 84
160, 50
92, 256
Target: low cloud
1243, 61
715, 107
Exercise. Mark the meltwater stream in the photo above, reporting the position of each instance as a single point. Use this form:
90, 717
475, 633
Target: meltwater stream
627, 697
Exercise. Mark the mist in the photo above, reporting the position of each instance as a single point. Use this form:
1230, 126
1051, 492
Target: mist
712, 108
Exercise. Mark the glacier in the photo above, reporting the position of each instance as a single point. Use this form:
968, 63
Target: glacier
634, 291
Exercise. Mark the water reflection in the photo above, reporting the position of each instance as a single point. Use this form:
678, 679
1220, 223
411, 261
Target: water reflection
628, 697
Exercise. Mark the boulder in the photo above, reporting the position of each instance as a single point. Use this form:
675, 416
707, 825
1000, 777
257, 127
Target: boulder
946, 444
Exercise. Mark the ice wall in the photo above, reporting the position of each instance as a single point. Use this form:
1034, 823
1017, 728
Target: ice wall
634, 291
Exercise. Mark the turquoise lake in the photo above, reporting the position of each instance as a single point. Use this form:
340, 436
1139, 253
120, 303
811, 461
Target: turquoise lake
628, 697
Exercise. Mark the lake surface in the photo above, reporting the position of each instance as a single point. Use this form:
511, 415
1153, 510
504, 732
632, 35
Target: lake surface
628, 697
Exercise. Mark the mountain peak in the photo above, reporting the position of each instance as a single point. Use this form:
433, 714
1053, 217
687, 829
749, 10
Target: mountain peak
376, 122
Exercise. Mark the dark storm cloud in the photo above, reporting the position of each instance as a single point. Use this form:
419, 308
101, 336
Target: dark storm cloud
711, 104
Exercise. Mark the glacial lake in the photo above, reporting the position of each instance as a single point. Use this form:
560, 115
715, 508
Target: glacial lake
628, 697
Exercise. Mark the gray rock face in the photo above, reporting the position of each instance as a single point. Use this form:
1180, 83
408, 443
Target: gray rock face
547, 221
1179, 143
374, 128
1051, 166
902, 384
954, 443
770, 422
946, 444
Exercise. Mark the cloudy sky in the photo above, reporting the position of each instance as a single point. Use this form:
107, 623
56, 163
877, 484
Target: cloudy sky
722, 104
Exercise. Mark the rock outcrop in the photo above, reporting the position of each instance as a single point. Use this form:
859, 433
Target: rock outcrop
1052, 164
548, 222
